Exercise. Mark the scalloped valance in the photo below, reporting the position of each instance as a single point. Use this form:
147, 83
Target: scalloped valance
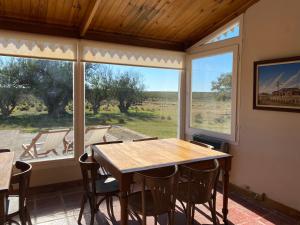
131, 55
40, 46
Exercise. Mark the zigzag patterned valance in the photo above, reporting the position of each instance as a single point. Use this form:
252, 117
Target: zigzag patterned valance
40, 46
131, 55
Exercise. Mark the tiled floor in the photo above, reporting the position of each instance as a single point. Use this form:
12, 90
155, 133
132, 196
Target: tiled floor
62, 208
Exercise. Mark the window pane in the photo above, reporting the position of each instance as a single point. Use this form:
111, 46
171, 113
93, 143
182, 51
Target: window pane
230, 32
36, 110
137, 102
211, 93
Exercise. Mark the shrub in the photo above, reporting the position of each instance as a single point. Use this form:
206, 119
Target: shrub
121, 121
162, 118
199, 118
39, 108
169, 118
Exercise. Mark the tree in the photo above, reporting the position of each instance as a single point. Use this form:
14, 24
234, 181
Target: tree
128, 90
222, 87
50, 81
10, 89
98, 84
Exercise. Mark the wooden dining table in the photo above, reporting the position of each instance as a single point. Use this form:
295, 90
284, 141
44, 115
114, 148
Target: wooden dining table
122, 160
6, 165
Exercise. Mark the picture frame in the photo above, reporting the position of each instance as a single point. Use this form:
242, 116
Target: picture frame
276, 84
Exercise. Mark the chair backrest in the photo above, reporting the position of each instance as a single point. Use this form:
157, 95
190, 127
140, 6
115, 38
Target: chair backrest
95, 135
145, 139
53, 138
22, 180
200, 183
218, 144
89, 170
162, 185
201, 144
4, 150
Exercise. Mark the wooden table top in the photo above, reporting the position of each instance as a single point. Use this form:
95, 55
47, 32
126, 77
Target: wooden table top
137, 156
6, 164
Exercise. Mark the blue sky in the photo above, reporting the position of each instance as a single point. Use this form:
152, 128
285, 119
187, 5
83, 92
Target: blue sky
207, 69
204, 70
154, 79
284, 75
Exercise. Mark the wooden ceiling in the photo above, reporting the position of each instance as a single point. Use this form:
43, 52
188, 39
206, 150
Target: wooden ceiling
167, 24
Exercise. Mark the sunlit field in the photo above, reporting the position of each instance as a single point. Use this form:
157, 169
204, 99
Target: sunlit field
156, 116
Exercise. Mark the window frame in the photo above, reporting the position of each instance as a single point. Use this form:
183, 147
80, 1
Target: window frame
203, 47
191, 130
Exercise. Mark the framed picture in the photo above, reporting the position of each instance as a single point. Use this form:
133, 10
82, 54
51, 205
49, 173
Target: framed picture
277, 84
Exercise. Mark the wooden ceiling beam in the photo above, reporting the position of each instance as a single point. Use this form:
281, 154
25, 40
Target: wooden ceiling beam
134, 40
72, 32
88, 17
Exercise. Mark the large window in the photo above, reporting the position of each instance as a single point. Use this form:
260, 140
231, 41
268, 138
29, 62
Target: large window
213, 92
36, 109
137, 102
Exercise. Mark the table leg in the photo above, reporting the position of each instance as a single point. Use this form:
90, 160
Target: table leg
225, 190
124, 207
2, 207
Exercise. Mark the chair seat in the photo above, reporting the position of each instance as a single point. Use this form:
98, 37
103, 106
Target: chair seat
106, 186
195, 197
135, 204
12, 205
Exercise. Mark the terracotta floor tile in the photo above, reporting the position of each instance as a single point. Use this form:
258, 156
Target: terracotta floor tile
62, 208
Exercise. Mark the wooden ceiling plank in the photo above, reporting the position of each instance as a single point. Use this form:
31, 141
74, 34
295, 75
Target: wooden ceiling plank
115, 18
148, 11
51, 9
201, 34
173, 11
100, 11
215, 12
89, 15
198, 15
183, 20
112, 7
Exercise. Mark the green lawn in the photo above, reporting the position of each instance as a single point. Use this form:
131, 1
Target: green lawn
155, 117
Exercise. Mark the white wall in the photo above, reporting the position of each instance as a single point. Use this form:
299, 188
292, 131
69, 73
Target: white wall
267, 158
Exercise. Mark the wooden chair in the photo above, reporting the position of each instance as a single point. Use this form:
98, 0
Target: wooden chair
96, 186
157, 195
4, 150
17, 203
95, 135
201, 144
198, 187
52, 140
145, 139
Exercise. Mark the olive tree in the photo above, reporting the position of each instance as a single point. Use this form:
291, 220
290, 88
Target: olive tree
128, 90
51, 82
223, 86
10, 89
98, 84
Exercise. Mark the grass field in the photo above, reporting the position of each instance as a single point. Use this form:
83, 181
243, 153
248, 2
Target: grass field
157, 116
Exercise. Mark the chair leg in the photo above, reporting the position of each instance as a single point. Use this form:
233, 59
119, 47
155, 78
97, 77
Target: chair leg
93, 209
23, 216
112, 207
108, 206
193, 213
213, 213
28, 217
188, 213
83, 201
